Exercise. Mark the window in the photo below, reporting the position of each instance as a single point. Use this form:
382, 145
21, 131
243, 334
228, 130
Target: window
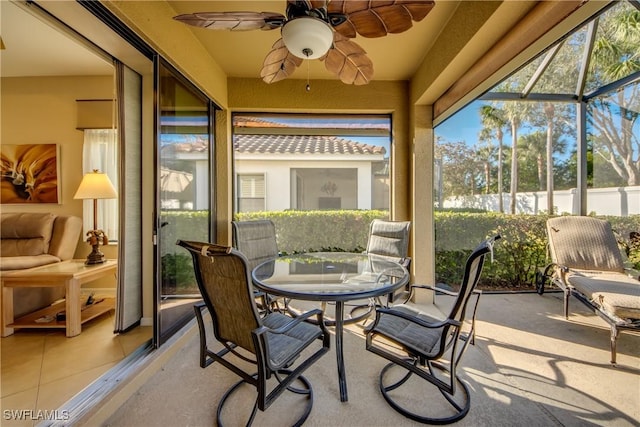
251, 193
100, 151
328, 176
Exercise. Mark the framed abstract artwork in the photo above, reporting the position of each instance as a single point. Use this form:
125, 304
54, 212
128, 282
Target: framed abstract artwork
30, 173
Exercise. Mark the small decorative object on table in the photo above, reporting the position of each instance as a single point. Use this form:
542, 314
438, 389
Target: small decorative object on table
96, 238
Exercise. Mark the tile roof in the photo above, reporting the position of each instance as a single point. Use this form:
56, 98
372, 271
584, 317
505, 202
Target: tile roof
302, 144
255, 122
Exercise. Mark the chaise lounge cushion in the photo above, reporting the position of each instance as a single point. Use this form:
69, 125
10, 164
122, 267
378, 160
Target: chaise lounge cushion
615, 293
584, 243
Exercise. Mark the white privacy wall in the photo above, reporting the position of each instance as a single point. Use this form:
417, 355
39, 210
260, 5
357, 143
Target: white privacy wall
616, 201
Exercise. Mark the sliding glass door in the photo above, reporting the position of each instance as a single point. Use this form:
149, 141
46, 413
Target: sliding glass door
184, 194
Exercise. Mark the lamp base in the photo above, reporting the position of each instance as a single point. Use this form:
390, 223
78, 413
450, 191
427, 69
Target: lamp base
95, 257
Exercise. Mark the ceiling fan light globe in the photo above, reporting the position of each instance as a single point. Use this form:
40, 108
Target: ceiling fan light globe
307, 37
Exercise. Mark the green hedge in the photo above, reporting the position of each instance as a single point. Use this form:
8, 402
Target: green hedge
517, 256
315, 231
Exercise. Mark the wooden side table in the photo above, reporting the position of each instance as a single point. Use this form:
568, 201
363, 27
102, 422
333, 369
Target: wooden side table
71, 274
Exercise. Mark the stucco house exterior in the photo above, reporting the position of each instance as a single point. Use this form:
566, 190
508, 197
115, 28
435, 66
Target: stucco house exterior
280, 172
308, 172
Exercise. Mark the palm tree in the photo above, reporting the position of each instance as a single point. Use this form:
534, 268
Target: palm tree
533, 147
494, 122
515, 113
486, 153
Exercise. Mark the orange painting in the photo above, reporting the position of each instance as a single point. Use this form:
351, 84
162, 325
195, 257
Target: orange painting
29, 173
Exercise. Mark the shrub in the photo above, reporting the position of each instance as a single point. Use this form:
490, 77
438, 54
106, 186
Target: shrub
518, 255
177, 274
316, 231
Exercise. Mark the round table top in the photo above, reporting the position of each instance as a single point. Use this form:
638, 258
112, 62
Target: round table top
330, 276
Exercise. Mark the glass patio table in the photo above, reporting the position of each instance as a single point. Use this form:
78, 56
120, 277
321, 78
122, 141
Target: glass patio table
331, 277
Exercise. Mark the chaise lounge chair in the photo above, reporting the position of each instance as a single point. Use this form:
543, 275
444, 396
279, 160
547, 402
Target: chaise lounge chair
587, 263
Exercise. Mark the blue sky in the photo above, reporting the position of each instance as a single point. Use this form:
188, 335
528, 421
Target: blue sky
462, 126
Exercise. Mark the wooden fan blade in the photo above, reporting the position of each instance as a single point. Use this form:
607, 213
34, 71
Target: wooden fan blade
234, 21
379, 18
279, 63
348, 61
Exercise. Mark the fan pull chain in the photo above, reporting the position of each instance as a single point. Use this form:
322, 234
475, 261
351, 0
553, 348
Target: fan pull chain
308, 85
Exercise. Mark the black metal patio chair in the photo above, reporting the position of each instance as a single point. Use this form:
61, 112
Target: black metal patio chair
257, 241
390, 240
272, 344
431, 348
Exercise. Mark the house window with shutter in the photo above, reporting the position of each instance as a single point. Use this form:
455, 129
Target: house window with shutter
251, 193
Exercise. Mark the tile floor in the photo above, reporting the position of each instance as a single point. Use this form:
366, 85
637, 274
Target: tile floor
41, 369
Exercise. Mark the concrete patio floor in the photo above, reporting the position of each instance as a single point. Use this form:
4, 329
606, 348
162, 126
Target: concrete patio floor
529, 366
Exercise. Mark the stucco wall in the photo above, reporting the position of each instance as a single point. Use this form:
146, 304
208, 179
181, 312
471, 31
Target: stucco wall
354, 194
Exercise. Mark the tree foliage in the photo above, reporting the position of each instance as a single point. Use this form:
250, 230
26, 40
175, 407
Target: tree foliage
542, 148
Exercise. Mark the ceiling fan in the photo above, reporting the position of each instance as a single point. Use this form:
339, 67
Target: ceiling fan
320, 29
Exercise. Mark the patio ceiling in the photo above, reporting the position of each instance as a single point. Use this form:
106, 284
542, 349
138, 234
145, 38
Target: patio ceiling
241, 53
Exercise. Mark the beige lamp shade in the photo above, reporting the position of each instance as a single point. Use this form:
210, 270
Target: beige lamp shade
96, 185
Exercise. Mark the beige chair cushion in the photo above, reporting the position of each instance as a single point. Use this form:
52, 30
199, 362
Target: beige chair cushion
25, 234
9, 263
615, 293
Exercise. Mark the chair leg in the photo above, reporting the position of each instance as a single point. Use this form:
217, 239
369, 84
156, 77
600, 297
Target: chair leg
614, 337
228, 394
567, 294
461, 408
299, 422
199, 308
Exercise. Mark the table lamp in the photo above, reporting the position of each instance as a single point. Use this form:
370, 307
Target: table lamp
96, 185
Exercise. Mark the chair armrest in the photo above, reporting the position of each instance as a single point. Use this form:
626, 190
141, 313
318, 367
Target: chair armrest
416, 320
435, 289
405, 262
444, 291
65, 235
387, 272
560, 272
